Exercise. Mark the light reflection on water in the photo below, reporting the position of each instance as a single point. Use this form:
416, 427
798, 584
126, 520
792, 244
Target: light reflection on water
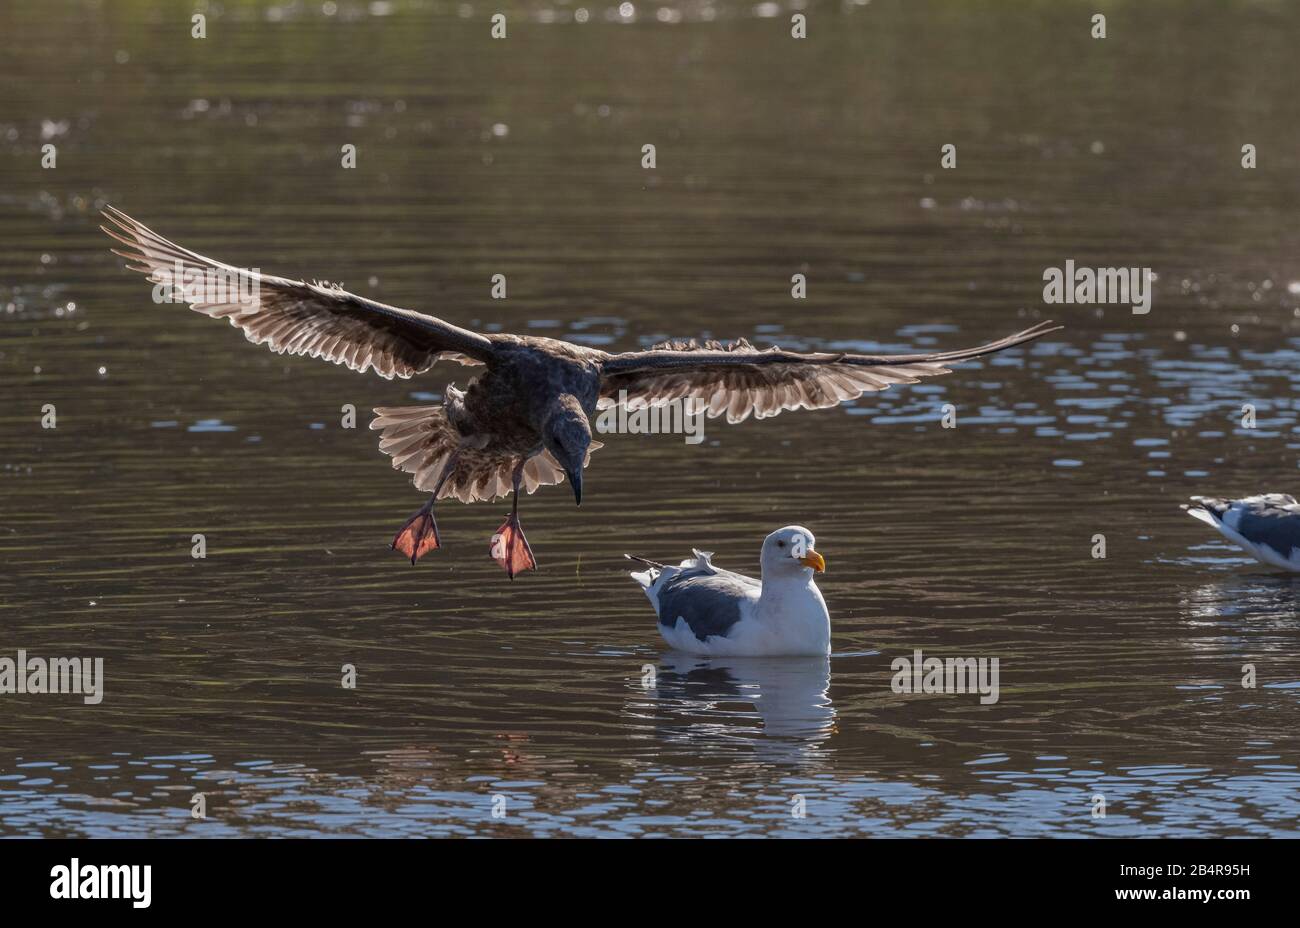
397, 798
1121, 677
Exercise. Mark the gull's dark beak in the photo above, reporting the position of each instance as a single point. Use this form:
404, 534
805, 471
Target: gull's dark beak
575, 481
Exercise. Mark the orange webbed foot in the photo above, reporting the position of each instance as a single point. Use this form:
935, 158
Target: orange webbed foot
418, 536
510, 548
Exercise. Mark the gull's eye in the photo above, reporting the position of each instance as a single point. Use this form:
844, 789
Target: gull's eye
780, 544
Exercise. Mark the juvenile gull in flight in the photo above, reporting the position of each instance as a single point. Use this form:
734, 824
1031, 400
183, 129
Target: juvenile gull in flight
525, 420
704, 609
1267, 526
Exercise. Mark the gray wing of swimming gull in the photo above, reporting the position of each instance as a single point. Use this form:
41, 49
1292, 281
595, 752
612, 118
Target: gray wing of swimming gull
707, 599
1272, 520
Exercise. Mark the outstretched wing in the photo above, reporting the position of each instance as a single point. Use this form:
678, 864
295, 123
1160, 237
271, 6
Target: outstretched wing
296, 317
738, 380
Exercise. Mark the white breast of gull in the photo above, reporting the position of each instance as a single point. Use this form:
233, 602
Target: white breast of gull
706, 610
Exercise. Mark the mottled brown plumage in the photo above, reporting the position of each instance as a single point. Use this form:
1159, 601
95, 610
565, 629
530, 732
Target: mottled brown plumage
525, 420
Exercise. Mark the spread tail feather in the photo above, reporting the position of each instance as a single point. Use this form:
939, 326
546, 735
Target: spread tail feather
422, 439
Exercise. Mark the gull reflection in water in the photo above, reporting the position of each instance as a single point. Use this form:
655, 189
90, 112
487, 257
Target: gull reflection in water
1246, 602
717, 701
1243, 616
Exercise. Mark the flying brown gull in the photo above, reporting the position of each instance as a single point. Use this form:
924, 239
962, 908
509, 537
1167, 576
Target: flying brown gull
525, 421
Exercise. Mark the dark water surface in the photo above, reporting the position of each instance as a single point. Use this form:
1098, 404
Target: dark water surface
1120, 677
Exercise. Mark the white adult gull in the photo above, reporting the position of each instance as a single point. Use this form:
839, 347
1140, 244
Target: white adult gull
1267, 526
706, 610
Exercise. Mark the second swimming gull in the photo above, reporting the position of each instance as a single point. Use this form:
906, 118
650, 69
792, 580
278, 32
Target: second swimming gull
1267, 526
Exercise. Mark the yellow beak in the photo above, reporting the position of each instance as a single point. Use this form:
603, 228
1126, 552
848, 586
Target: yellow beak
814, 560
